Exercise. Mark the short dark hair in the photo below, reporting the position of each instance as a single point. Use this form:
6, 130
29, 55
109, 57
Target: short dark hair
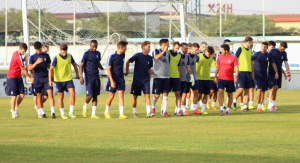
283, 44
37, 45
205, 43
226, 40
145, 43
196, 45
183, 44
248, 38
63, 46
189, 45
23, 46
272, 43
45, 46
225, 47
122, 44
211, 50
94, 41
176, 43
265, 43
163, 41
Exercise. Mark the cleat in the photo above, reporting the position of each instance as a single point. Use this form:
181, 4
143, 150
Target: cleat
250, 106
95, 117
204, 112
14, 115
122, 116
273, 108
153, 110
196, 112
264, 107
166, 114
208, 105
152, 114
161, 113
53, 116
213, 108
44, 116
107, 115
246, 110
185, 113
40, 116
135, 115
221, 112
84, 112
242, 107
36, 112
175, 113
227, 113
234, 106
179, 113
17, 115
259, 109
72, 115
149, 115
64, 117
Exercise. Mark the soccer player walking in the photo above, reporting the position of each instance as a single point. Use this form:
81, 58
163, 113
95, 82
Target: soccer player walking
213, 85
90, 64
61, 70
116, 81
15, 85
198, 69
226, 64
141, 77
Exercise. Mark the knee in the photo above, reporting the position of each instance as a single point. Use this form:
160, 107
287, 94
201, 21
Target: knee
22, 95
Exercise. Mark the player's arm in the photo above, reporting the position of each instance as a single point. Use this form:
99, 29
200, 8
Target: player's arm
76, 70
149, 72
24, 70
252, 68
127, 67
236, 73
189, 69
216, 73
81, 73
157, 56
100, 66
284, 74
287, 67
51, 73
112, 83
32, 66
179, 71
275, 69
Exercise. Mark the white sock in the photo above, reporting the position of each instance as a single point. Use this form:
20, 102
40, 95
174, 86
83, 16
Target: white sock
214, 103
266, 100
39, 111
161, 108
241, 104
62, 112
134, 110
194, 106
154, 102
52, 109
273, 103
222, 108
176, 109
203, 107
71, 108
35, 106
148, 109
12, 112
250, 102
259, 105
85, 106
245, 106
16, 108
183, 108
42, 111
187, 102
200, 103
270, 103
165, 103
107, 109
228, 109
94, 110
121, 109
208, 100
234, 100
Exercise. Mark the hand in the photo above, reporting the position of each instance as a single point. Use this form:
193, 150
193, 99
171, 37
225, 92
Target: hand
235, 80
81, 81
216, 80
77, 76
39, 60
276, 76
126, 73
253, 76
192, 80
166, 48
285, 76
289, 77
112, 84
50, 83
32, 80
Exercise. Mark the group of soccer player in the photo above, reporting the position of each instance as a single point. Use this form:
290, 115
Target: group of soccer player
184, 70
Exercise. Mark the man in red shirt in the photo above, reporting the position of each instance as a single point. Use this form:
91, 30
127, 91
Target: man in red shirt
15, 85
226, 64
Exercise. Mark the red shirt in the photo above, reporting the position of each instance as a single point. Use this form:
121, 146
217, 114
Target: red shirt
15, 63
226, 64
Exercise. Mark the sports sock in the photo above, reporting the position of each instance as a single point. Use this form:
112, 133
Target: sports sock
183, 108
52, 109
42, 111
250, 102
154, 102
148, 108
107, 109
165, 103
62, 112
176, 109
187, 102
228, 109
94, 110
200, 103
161, 108
71, 108
16, 108
194, 106
35, 106
234, 100
273, 103
270, 103
121, 109
266, 100
221, 108
134, 110
39, 112
85, 106
259, 105
13, 112
203, 107
214, 103
241, 104
208, 100
245, 106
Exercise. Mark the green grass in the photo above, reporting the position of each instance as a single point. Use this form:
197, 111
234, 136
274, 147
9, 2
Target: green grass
239, 137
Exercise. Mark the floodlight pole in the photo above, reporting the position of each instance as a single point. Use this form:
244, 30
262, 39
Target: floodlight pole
74, 24
108, 21
145, 21
6, 32
183, 20
264, 18
39, 20
170, 24
220, 18
25, 29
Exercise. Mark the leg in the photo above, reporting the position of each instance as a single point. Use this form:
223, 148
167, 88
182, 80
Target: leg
88, 99
183, 98
61, 100
221, 97
258, 96
13, 103
39, 100
246, 97
20, 99
134, 102
147, 101
51, 98
45, 98
121, 104
110, 98
230, 99
177, 95
72, 96
238, 93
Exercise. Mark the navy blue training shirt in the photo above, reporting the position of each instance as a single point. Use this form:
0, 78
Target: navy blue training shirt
40, 70
261, 62
183, 56
278, 58
116, 62
142, 64
54, 62
91, 60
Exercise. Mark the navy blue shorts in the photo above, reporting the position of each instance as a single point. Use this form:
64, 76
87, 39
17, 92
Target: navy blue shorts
272, 81
64, 86
137, 88
204, 86
182, 83
161, 85
245, 80
261, 82
15, 86
188, 86
41, 84
175, 85
119, 86
34, 94
213, 86
228, 84
92, 86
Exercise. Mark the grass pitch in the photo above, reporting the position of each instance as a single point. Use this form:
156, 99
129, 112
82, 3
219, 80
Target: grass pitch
239, 137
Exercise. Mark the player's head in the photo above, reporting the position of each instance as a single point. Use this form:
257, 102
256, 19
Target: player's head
184, 48
45, 48
93, 45
217, 49
225, 49
146, 47
227, 41
122, 46
63, 49
264, 47
203, 46
210, 50
271, 44
282, 46
195, 48
248, 42
189, 47
176, 46
37, 47
23, 48
163, 43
